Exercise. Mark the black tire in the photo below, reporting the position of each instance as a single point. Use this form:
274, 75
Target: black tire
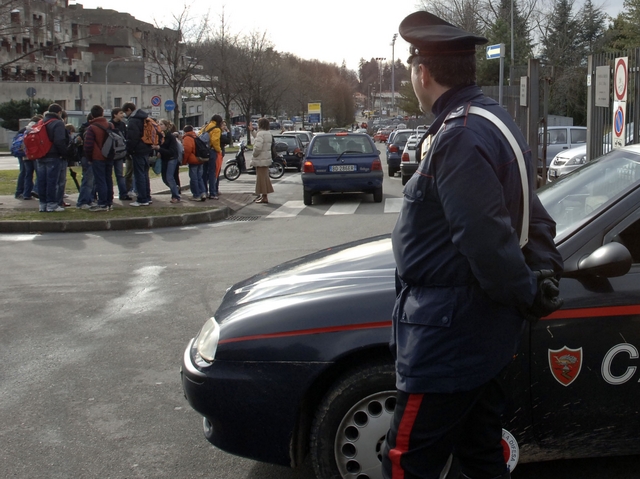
377, 195
307, 197
231, 172
405, 179
365, 397
276, 170
391, 170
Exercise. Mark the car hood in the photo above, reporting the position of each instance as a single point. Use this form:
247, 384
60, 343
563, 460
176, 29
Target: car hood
343, 271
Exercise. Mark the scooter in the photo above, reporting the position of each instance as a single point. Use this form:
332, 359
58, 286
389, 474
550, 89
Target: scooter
238, 165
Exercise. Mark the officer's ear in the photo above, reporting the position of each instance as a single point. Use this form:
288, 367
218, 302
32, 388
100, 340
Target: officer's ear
424, 75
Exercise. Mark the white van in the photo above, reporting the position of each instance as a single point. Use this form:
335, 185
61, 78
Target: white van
561, 138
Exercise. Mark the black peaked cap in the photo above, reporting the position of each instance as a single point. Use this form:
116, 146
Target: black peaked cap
430, 36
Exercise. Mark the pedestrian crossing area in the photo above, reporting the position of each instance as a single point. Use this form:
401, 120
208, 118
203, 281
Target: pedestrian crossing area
293, 208
286, 202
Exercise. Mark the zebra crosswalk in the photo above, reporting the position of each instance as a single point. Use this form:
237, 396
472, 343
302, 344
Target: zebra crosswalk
293, 208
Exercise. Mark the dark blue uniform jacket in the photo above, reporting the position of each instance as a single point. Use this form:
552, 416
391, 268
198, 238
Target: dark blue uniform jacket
456, 322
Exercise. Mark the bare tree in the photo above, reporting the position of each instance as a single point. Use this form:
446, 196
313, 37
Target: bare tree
167, 49
220, 58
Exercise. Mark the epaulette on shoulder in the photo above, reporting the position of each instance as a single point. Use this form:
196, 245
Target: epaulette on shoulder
460, 112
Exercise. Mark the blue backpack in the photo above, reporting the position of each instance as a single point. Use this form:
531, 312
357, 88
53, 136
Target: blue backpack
17, 145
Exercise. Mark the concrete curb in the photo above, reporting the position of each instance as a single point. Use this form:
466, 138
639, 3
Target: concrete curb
106, 224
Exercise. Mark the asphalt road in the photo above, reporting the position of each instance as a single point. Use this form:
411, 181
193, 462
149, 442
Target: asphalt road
93, 326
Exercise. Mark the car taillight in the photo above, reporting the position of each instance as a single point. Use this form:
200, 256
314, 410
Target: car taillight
393, 149
376, 165
308, 167
405, 157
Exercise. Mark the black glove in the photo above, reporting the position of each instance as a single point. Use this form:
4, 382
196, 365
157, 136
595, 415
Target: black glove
547, 298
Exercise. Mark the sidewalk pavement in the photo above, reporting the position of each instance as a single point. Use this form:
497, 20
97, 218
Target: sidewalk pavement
219, 209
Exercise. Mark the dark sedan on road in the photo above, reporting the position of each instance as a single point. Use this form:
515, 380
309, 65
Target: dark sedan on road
296, 361
295, 150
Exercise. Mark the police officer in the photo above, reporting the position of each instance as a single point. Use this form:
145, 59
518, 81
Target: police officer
470, 267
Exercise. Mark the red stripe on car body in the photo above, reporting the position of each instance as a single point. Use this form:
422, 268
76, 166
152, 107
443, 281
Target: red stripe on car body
303, 332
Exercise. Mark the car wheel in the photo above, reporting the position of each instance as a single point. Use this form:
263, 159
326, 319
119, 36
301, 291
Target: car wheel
405, 179
392, 171
307, 197
351, 423
377, 195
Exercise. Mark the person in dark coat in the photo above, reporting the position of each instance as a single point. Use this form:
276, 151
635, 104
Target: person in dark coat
117, 120
94, 139
48, 167
168, 150
475, 258
139, 152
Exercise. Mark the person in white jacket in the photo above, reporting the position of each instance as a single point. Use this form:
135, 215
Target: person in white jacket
262, 159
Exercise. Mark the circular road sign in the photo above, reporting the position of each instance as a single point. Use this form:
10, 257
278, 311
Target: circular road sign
169, 105
31, 92
618, 122
620, 79
156, 100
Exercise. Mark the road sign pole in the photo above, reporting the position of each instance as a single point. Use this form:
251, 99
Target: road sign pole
501, 79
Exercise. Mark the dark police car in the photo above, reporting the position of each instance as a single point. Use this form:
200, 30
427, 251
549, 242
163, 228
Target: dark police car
296, 359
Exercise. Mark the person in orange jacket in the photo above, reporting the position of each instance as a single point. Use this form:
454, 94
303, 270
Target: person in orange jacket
196, 180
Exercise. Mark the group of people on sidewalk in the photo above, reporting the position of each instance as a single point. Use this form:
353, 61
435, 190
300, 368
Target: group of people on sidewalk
142, 139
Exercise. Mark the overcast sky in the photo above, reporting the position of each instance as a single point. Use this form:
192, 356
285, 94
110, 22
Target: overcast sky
329, 30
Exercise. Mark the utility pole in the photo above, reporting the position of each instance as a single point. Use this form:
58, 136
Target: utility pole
380, 60
393, 74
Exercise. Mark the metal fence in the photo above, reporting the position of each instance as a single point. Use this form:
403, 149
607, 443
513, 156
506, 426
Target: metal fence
600, 118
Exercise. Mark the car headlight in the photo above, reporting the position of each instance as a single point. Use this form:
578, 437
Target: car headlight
207, 342
577, 160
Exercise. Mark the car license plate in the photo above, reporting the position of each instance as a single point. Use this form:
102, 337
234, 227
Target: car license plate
342, 168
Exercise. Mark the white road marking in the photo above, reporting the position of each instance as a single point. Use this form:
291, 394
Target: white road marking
18, 237
392, 205
288, 210
343, 208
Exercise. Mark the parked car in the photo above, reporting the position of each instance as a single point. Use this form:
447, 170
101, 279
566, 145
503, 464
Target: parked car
395, 147
294, 155
567, 161
342, 162
305, 136
408, 160
296, 359
338, 130
287, 124
561, 138
382, 135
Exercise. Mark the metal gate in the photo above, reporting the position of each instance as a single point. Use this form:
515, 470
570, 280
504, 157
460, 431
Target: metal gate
600, 118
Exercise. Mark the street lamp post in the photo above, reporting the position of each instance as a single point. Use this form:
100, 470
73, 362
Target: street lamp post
393, 73
380, 60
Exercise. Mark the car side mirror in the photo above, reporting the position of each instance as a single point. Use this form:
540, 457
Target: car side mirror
608, 261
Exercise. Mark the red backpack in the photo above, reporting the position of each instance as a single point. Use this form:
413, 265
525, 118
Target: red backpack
36, 141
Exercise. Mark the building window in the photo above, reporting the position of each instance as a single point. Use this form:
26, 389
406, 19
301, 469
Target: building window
134, 100
78, 106
149, 79
199, 108
117, 102
62, 103
15, 16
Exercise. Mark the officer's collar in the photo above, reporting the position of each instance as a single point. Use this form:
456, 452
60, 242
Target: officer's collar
451, 98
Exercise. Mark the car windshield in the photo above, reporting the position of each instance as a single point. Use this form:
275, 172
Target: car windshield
331, 145
576, 198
